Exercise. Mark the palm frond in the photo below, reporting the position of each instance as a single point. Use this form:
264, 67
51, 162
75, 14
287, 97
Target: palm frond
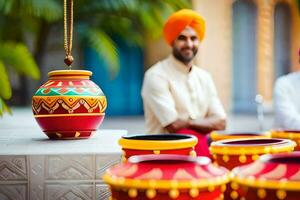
5, 91
4, 108
105, 47
49, 10
17, 55
178, 4
6, 6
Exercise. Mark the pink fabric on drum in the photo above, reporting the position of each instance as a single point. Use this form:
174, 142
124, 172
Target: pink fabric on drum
202, 146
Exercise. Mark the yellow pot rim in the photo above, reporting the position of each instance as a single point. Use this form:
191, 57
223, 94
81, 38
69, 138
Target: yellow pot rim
252, 150
165, 184
282, 134
215, 136
69, 74
157, 144
267, 184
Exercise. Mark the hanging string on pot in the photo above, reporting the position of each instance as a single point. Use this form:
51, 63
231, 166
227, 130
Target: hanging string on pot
68, 31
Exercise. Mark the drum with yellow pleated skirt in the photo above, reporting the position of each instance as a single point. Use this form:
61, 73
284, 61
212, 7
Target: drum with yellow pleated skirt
271, 177
167, 177
235, 152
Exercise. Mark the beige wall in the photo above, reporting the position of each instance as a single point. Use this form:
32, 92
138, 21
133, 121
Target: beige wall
265, 51
215, 50
155, 50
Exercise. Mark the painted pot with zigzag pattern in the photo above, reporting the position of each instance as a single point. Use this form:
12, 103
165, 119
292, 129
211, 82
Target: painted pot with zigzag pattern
69, 105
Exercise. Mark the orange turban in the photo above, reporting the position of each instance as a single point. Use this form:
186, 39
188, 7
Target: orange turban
179, 20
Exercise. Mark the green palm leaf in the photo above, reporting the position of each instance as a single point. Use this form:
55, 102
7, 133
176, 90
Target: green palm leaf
105, 47
5, 91
50, 10
4, 107
6, 5
19, 57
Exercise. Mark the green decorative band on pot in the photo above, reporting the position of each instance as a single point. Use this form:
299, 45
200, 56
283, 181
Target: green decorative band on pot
69, 91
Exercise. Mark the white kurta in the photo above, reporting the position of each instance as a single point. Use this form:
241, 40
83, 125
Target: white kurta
170, 92
287, 101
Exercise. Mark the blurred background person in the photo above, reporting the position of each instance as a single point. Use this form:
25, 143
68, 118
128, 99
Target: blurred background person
178, 96
286, 101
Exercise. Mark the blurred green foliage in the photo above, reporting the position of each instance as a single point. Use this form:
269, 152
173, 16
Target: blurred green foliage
131, 20
16, 56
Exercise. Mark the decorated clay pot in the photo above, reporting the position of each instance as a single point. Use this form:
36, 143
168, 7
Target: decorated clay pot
270, 177
181, 144
166, 177
288, 134
223, 135
69, 105
236, 152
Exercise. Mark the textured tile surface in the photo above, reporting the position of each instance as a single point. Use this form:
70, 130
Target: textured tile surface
57, 170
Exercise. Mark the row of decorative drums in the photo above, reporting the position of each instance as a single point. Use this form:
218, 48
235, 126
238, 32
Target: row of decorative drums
166, 167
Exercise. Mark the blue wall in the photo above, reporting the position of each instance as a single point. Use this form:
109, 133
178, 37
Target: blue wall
244, 56
123, 91
282, 40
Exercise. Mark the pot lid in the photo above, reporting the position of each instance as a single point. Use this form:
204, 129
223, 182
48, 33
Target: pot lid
166, 172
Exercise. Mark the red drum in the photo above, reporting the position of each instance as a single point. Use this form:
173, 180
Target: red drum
166, 177
233, 153
223, 135
270, 177
288, 134
181, 144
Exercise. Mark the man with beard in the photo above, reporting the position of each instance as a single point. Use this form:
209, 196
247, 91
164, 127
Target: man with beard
178, 96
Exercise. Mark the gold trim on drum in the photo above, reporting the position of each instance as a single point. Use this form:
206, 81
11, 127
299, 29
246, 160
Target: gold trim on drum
165, 184
285, 146
288, 135
215, 136
251, 181
70, 115
283, 134
157, 144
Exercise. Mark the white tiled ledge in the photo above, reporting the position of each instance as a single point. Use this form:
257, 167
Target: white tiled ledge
34, 142
32, 167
